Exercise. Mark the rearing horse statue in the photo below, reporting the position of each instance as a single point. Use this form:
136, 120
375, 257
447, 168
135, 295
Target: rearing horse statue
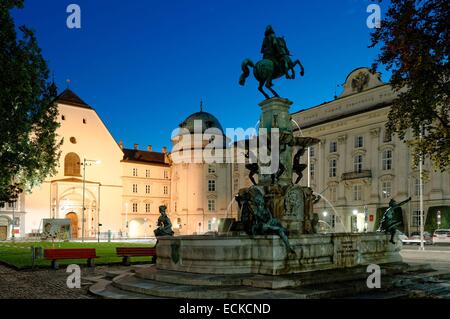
276, 62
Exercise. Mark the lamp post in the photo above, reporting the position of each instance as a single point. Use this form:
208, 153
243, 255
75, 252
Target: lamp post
85, 162
422, 247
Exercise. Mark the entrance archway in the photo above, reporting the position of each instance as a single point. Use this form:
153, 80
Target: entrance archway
73, 224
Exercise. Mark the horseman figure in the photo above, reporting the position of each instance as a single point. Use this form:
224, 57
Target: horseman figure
276, 62
275, 49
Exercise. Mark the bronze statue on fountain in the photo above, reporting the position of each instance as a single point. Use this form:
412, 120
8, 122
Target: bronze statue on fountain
275, 204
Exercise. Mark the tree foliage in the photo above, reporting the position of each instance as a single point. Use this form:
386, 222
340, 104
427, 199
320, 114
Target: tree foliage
29, 150
414, 39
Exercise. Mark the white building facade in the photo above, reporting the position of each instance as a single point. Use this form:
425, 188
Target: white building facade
358, 168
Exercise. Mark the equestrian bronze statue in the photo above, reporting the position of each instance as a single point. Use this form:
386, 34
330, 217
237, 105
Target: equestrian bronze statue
276, 63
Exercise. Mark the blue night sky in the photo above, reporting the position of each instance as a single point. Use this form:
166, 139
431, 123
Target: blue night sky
144, 65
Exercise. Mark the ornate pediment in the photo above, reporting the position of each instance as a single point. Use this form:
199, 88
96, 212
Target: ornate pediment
359, 80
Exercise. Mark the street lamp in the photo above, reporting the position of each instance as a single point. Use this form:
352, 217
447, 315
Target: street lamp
325, 214
85, 163
438, 219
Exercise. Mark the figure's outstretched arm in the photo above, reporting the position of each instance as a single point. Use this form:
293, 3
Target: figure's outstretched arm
405, 201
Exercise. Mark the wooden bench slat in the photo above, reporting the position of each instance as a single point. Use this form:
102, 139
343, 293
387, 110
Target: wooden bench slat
70, 253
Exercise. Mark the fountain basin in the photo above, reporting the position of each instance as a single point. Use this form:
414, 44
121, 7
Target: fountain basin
267, 255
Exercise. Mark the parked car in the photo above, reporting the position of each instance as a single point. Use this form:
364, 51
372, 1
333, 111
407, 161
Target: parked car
441, 236
415, 238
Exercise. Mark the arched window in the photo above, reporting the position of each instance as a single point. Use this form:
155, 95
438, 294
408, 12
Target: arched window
72, 165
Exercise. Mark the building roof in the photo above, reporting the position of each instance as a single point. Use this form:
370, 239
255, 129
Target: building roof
70, 98
207, 120
133, 155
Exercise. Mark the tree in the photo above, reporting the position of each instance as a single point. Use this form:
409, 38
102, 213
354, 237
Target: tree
414, 39
29, 150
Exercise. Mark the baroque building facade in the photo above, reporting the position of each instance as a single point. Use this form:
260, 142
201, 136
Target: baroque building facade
358, 167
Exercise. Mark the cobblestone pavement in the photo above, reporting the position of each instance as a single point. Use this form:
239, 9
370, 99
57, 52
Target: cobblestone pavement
47, 283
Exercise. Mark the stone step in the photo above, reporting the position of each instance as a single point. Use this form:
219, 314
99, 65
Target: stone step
260, 281
134, 284
105, 290
114, 273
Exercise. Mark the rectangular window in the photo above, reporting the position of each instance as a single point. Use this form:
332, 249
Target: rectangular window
135, 172
135, 207
209, 225
312, 170
84, 121
166, 174
211, 185
147, 189
211, 205
357, 192
147, 173
332, 170
333, 147
2, 204
358, 163
333, 194
147, 208
11, 205
387, 160
166, 190
386, 189
416, 218
312, 151
135, 189
359, 141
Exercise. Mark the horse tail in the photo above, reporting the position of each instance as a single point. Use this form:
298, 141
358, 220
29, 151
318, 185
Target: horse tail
245, 70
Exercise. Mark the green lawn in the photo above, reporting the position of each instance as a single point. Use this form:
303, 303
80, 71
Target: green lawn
19, 254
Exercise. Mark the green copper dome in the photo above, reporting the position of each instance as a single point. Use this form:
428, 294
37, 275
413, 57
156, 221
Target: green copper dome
207, 120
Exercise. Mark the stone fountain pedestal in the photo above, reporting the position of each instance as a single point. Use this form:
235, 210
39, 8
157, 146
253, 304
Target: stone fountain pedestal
267, 255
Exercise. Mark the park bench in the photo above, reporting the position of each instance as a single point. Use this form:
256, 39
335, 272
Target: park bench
128, 252
70, 253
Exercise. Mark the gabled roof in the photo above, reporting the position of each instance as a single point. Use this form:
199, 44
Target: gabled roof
70, 98
133, 155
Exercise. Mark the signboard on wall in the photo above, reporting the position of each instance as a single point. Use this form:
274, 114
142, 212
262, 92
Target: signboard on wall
56, 228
